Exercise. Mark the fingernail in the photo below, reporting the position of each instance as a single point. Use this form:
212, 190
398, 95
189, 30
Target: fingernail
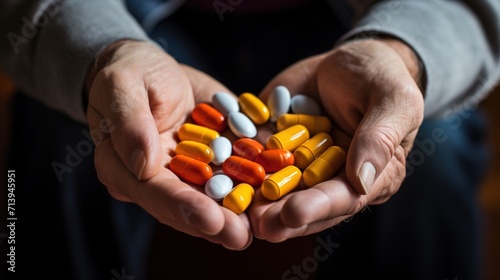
366, 176
138, 162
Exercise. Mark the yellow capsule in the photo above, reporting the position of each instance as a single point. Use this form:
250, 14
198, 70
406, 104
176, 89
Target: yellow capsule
194, 150
254, 108
325, 166
280, 183
288, 139
198, 133
311, 149
239, 198
314, 124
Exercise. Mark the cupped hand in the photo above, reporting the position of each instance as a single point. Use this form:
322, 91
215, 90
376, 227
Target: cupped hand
138, 97
370, 90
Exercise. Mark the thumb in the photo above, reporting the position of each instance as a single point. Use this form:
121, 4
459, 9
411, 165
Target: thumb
380, 133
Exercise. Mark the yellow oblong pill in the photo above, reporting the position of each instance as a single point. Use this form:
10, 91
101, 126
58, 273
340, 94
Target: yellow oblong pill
198, 133
325, 166
312, 149
253, 108
280, 183
194, 150
288, 139
314, 124
239, 198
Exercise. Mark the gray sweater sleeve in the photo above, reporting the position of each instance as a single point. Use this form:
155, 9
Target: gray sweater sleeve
48, 45
458, 43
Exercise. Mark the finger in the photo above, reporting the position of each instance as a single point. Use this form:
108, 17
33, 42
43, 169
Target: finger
236, 234
136, 138
388, 121
204, 86
164, 196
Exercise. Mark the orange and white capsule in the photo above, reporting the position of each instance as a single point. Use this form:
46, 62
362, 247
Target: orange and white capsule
244, 170
239, 198
288, 139
311, 149
247, 148
207, 116
274, 160
282, 182
254, 108
314, 124
325, 166
190, 169
198, 133
194, 150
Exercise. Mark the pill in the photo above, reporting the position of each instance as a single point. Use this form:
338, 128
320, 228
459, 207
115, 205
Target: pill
254, 108
207, 116
263, 134
225, 103
282, 182
194, 150
278, 102
314, 124
325, 166
311, 149
190, 169
241, 125
221, 150
239, 198
198, 133
288, 139
218, 186
247, 148
244, 170
274, 160
303, 104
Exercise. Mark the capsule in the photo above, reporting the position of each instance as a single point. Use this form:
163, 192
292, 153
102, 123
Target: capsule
278, 102
225, 103
325, 166
244, 170
239, 198
314, 124
288, 139
254, 108
207, 116
198, 133
218, 186
247, 148
274, 160
282, 182
194, 150
311, 149
221, 150
241, 125
303, 104
190, 169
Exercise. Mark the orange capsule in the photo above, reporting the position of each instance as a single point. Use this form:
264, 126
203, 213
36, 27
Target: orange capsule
244, 170
190, 170
247, 148
207, 116
274, 160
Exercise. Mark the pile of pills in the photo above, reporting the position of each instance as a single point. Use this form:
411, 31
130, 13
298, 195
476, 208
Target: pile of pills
279, 145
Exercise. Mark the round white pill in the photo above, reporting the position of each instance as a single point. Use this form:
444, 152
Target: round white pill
218, 186
303, 104
221, 149
241, 125
225, 103
278, 102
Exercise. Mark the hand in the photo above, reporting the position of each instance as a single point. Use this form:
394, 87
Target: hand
141, 95
369, 90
